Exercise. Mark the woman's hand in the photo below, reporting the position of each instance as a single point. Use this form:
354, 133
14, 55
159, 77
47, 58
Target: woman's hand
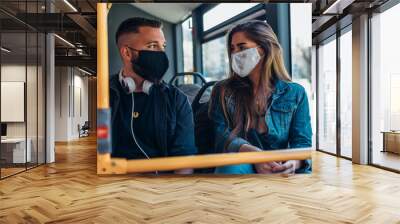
184, 171
268, 168
288, 168
263, 168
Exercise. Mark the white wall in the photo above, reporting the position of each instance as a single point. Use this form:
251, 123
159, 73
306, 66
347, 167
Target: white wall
71, 87
80, 94
61, 103
33, 126
12, 73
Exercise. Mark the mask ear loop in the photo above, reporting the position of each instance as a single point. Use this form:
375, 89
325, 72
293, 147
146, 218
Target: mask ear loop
133, 134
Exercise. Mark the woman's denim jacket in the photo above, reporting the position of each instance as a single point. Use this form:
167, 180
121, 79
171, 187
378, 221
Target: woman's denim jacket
287, 118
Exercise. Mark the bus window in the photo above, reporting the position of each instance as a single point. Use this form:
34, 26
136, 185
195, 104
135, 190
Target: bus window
223, 12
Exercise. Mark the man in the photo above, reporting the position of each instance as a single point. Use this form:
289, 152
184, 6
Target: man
149, 117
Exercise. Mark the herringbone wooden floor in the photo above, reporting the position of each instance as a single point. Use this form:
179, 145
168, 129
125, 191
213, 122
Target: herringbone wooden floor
69, 191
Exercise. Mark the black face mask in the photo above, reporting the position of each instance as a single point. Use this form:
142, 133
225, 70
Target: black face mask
151, 65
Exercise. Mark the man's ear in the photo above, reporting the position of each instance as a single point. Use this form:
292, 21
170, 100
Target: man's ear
125, 53
122, 52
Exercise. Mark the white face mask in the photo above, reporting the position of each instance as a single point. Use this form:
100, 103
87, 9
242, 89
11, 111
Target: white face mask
245, 61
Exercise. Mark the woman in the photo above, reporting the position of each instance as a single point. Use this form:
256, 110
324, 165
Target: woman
258, 107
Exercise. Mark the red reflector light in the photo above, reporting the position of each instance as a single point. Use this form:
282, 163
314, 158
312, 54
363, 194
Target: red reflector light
102, 132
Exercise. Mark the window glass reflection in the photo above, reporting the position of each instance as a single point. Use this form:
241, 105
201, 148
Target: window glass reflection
327, 96
385, 85
223, 12
346, 94
215, 59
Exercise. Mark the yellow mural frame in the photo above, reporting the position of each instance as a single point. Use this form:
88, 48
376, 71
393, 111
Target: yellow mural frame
108, 165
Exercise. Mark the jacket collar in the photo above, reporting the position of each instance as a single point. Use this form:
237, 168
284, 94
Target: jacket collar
114, 82
280, 87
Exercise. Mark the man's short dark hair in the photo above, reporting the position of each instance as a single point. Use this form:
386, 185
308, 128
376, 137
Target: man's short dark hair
132, 25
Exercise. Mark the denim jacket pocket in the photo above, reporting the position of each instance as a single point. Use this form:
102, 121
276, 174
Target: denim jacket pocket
282, 113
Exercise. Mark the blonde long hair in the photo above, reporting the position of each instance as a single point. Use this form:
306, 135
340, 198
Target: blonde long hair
241, 89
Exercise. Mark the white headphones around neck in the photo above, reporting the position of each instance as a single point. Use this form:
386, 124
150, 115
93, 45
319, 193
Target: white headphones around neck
129, 85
